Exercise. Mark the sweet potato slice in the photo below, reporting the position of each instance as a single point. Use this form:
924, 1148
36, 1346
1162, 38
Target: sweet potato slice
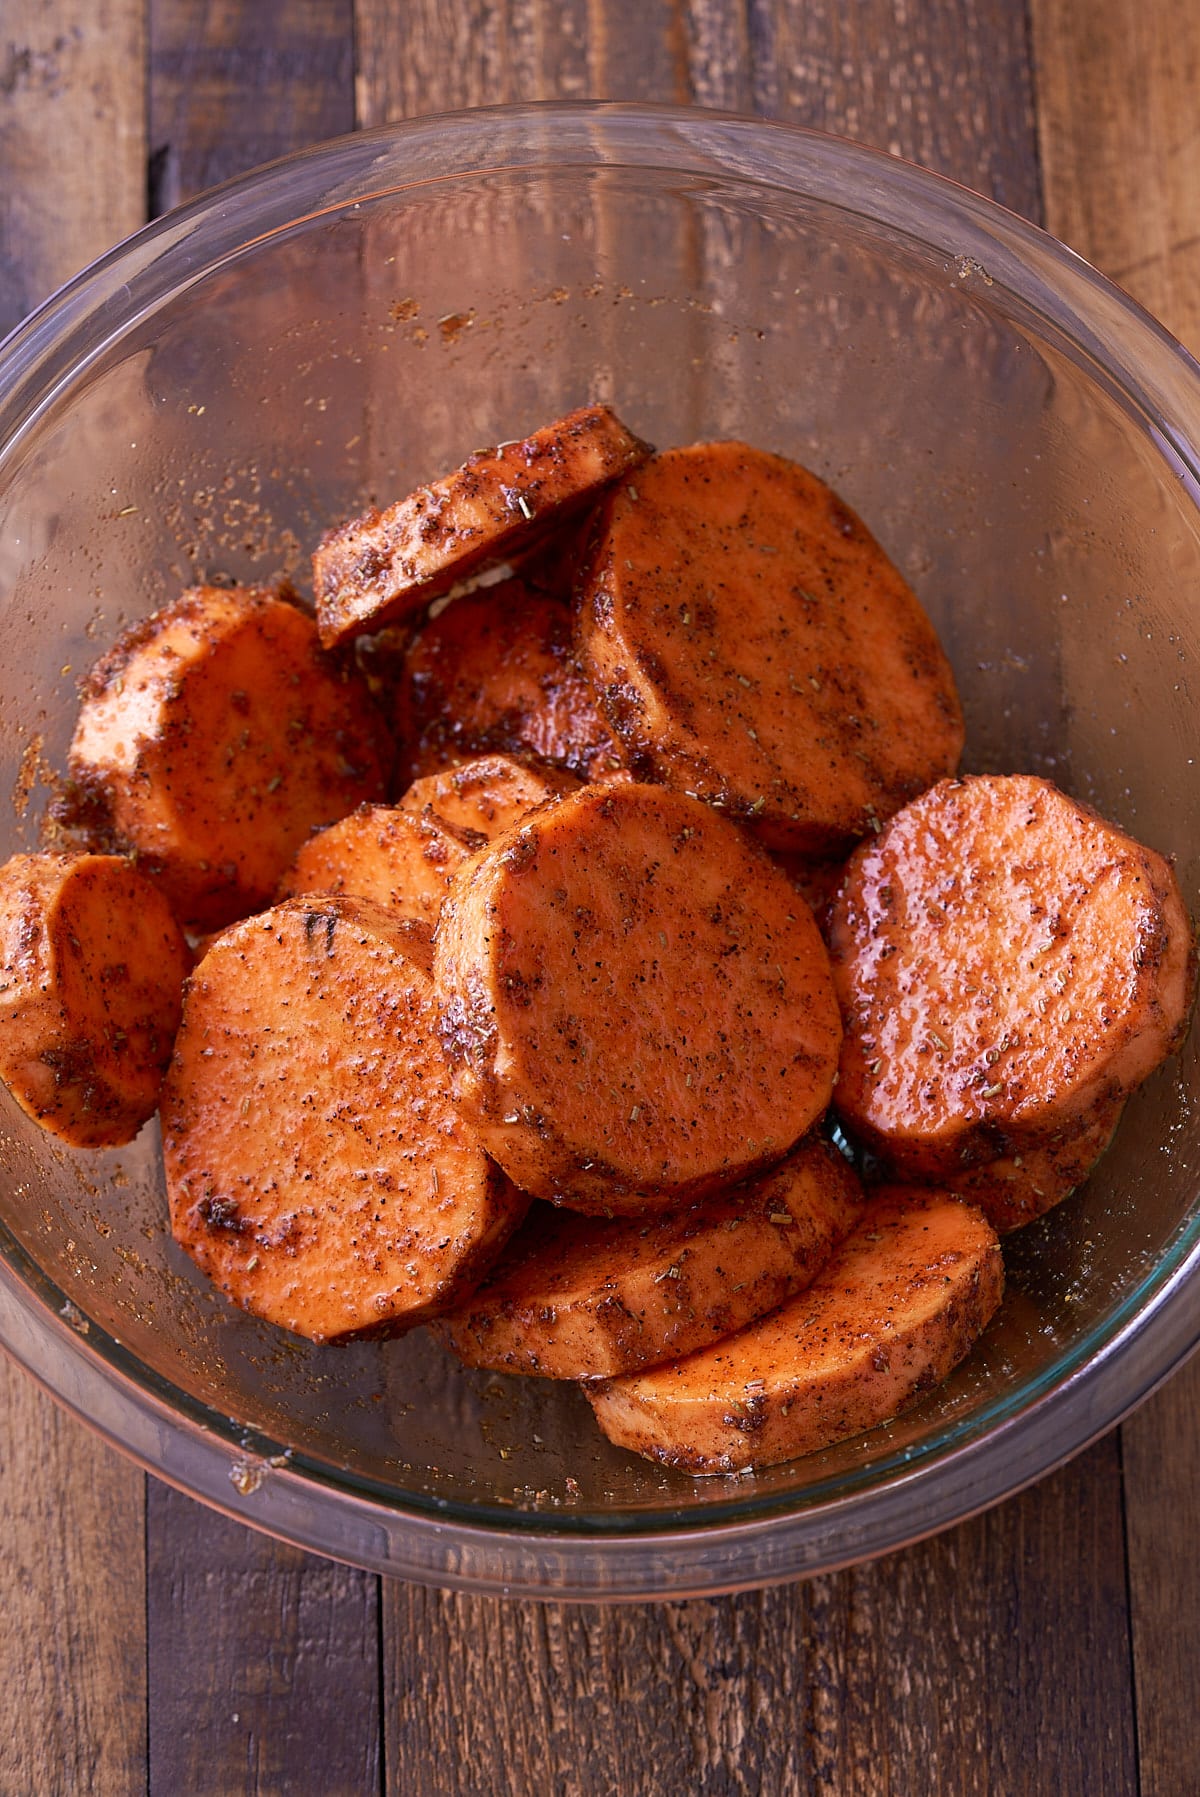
485, 796
750, 642
1019, 1187
817, 881
213, 737
895, 1308
316, 1169
382, 566
384, 854
1009, 967
496, 671
581, 1298
92, 965
637, 1008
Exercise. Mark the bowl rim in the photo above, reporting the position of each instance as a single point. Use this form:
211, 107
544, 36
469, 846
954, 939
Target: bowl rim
1134, 1346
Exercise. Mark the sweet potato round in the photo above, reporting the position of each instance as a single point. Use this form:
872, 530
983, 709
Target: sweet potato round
316, 1168
384, 566
1009, 966
92, 965
213, 737
587, 1297
894, 1309
750, 642
496, 671
636, 1006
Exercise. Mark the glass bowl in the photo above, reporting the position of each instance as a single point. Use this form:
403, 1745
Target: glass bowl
205, 400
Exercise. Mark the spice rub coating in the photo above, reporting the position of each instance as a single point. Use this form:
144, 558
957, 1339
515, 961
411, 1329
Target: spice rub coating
480, 798
585, 1297
1009, 967
405, 856
92, 965
1019, 1187
636, 1007
750, 642
496, 670
316, 1169
213, 737
381, 853
381, 567
899, 1304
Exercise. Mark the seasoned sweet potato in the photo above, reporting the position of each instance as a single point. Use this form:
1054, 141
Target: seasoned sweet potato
1009, 967
817, 881
92, 965
496, 671
486, 795
381, 853
636, 1007
895, 1308
316, 1168
1018, 1187
582, 1297
213, 737
383, 566
750, 642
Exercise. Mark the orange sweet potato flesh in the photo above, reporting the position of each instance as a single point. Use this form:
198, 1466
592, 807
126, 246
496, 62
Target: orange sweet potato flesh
583, 1297
817, 881
405, 857
496, 671
213, 737
384, 854
897, 1306
1009, 967
92, 965
750, 642
486, 795
1020, 1187
636, 1007
384, 566
316, 1169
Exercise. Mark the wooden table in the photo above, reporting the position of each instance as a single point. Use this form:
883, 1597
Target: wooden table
1051, 1646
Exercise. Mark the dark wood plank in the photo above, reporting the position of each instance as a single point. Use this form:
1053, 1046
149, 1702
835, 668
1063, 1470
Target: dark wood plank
958, 1667
73, 1649
992, 1659
263, 1661
427, 57
1161, 1455
1117, 122
238, 82
1117, 89
946, 83
72, 141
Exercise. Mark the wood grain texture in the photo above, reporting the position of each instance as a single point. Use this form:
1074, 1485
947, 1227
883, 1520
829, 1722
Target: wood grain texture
73, 1646
946, 84
993, 1659
1161, 1456
264, 1665
235, 83
73, 1649
1119, 133
72, 141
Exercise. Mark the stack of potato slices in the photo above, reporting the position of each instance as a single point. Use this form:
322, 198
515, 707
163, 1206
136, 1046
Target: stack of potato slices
526, 989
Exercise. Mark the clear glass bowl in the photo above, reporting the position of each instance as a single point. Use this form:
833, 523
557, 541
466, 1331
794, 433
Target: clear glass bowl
206, 399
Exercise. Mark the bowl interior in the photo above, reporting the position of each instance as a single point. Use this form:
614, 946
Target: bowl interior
218, 426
